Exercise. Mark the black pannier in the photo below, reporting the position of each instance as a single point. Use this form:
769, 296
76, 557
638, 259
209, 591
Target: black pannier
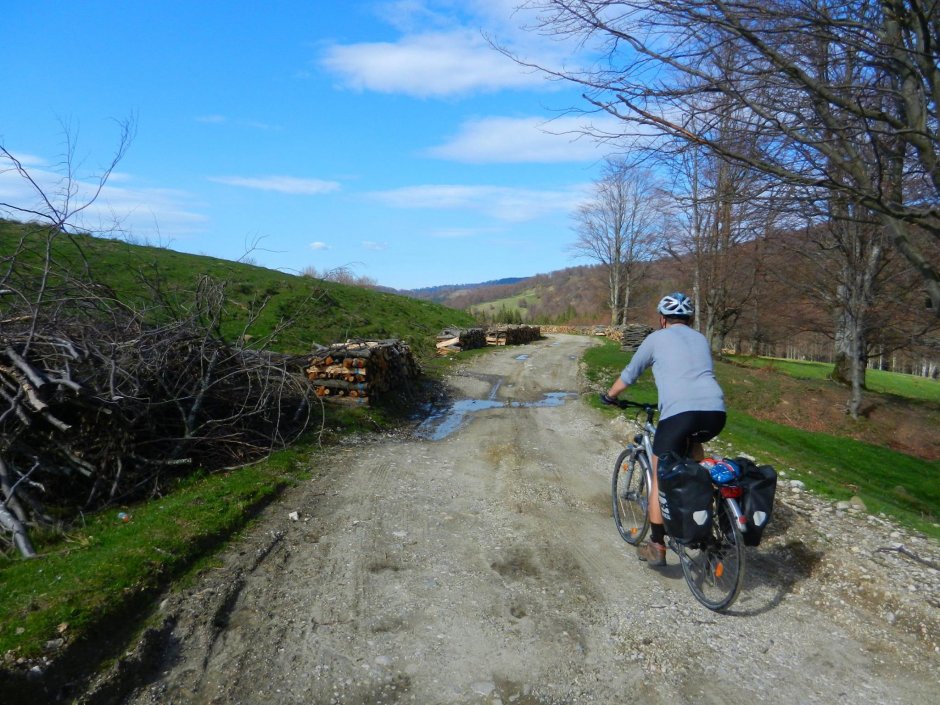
685, 496
759, 483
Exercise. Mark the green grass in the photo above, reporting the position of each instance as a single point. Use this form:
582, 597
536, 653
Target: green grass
322, 312
96, 573
107, 568
510, 303
880, 381
901, 486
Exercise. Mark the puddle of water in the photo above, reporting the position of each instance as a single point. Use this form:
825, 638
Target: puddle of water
522, 357
441, 424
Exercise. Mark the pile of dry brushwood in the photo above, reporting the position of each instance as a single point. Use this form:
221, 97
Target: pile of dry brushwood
360, 370
512, 334
456, 339
629, 335
99, 406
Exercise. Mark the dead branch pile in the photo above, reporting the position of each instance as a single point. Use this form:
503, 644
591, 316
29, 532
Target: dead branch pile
512, 334
360, 370
97, 407
629, 335
456, 339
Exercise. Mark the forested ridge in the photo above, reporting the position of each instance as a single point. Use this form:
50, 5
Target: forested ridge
775, 302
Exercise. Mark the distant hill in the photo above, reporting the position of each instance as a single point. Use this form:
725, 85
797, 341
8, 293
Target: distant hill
575, 295
444, 292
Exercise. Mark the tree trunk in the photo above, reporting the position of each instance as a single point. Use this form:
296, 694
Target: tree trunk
626, 301
851, 356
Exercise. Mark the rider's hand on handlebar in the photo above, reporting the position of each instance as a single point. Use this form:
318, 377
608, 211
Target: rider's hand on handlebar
607, 399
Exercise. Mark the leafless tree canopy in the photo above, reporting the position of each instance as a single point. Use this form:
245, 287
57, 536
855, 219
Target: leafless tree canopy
840, 96
620, 228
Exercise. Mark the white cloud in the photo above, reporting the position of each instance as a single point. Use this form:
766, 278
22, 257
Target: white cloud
450, 63
281, 184
25, 160
377, 246
319, 246
502, 203
119, 209
501, 140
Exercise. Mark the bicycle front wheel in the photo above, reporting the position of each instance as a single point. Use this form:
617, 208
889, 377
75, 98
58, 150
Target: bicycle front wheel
630, 495
714, 568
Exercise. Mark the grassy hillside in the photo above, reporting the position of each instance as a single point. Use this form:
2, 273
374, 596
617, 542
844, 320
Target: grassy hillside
880, 381
518, 305
574, 295
322, 312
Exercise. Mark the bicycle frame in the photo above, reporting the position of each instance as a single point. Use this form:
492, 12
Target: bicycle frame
714, 566
645, 439
728, 493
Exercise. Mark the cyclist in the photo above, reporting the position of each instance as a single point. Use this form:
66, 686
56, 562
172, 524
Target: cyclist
691, 403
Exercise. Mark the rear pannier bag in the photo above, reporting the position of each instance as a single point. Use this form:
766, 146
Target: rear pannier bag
759, 483
685, 497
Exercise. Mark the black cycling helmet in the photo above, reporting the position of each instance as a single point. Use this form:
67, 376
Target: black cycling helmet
676, 304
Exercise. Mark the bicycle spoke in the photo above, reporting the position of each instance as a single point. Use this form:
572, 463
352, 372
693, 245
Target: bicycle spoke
628, 492
714, 570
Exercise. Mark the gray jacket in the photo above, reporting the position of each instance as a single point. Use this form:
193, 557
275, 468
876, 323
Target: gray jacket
682, 368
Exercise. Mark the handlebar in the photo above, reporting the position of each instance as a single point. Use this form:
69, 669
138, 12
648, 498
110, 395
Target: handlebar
626, 403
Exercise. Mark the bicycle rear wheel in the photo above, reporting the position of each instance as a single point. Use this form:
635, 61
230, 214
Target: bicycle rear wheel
714, 568
629, 495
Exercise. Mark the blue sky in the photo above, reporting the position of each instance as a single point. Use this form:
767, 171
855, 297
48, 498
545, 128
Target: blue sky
385, 137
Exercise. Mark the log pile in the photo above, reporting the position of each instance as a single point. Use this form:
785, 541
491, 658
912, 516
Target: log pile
629, 335
569, 330
359, 370
456, 339
512, 334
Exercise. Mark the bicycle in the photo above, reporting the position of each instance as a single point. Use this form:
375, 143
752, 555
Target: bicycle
714, 566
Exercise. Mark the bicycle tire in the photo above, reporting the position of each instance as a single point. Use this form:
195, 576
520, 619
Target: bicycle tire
714, 568
629, 495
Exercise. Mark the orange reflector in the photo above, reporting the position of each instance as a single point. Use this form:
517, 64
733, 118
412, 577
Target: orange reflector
633, 530
719, 570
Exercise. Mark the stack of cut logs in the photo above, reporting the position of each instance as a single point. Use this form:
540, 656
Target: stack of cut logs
630, 335
358, 370
456, 339
512, 335
570, 330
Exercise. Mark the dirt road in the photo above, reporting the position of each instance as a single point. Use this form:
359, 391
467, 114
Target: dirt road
475, 561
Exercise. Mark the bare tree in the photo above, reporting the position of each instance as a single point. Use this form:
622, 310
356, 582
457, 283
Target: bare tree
102, 400
341, 275
723, 210
823, 82
847, 262
617, 229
